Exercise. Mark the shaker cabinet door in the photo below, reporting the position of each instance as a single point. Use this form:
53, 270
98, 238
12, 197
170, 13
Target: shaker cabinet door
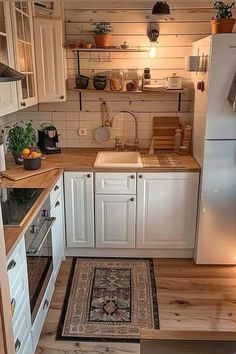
167, 210
115, 218
50, 63
79, 207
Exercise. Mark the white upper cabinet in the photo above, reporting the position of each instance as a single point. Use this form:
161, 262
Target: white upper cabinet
50, 61
23, 38
167, 210
8, 93
79, 208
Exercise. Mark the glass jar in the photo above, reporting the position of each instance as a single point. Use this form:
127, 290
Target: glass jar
116, 80
132, 80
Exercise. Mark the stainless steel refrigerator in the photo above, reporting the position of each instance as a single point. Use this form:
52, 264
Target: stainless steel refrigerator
214, 147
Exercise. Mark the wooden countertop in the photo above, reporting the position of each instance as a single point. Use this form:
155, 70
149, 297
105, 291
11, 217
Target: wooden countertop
71, 159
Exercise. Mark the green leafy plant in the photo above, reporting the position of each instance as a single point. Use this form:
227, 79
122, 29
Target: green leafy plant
102, 28
223, 11
21, 136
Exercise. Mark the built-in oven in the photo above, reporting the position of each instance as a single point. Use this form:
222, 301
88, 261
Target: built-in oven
38, 242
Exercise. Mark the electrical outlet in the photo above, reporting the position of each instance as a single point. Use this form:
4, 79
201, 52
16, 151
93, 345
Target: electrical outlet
82, 131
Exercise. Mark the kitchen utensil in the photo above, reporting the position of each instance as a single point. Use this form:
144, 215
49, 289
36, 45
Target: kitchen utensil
19, 172
102, 133
174, 82
82, 81
164, 132
99, 82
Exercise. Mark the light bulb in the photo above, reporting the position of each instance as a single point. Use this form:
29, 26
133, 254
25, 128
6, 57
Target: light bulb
153, 51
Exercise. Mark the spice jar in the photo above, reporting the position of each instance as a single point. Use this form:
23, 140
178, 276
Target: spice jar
116, 80
147, 77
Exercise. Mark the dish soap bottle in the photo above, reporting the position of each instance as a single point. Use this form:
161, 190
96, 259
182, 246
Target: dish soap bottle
177, 140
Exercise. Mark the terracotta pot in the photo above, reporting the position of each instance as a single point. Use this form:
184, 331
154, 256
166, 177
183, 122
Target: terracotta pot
222, 25
102, 40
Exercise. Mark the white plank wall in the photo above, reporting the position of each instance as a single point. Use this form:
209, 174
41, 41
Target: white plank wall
188, 22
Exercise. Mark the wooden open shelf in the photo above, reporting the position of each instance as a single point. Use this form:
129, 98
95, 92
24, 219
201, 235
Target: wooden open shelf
111, 50
161, 90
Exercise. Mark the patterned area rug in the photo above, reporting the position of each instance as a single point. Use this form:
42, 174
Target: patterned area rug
109, 300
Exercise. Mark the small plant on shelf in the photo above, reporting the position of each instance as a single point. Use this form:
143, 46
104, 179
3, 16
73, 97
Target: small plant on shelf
222, 21
102, 34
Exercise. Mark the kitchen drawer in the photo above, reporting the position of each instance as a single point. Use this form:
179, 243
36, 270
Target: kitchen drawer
57, 189
115, 183
16, 262
19, 293
22, 330
40, 318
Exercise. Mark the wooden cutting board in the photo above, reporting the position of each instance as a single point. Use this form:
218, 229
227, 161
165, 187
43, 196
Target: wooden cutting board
164, 132
18, 172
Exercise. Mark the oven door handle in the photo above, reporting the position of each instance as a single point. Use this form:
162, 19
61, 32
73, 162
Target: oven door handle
34, 251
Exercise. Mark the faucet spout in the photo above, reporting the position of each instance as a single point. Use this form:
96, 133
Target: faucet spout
136, 141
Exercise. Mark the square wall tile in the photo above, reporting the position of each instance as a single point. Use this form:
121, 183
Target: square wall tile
58, 116
73, 116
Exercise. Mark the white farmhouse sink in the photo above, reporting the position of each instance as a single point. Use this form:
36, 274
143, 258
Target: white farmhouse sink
118, 159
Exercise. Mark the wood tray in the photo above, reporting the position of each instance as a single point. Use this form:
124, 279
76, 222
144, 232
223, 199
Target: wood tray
164, 132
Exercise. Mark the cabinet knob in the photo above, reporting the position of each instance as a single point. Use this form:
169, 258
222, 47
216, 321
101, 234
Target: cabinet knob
17, 345
132, 177
132, 199
23, 104
140, 176
13, 306
45, 213
88, 176
57, 204
46, 304
56, 188
11, 265
62, 97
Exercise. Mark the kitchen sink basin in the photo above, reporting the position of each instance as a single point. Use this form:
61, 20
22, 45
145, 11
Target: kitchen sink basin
118, 159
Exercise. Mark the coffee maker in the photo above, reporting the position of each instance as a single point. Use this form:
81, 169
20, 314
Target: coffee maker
48, 139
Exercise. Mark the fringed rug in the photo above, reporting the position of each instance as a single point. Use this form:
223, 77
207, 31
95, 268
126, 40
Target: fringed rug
109, 300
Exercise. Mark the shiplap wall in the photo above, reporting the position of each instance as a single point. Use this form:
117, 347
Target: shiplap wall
188, 22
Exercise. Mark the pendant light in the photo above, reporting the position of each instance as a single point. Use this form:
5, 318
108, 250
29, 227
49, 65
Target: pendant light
153, 35
161, 8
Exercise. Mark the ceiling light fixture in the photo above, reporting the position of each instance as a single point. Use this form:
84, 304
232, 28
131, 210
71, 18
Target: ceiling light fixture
153, 35
161, 8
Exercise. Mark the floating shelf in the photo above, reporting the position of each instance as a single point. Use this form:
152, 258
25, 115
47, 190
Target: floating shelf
111, 49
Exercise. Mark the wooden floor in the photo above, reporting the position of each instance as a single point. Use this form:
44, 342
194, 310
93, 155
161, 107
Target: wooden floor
190, 297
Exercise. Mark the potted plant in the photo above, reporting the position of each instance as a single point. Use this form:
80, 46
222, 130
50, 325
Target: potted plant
102, 34
222, 21
20, 136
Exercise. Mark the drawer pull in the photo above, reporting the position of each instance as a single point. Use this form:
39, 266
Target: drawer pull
57, 204
140, 176
11, 265
62, 97
56, 188
88, 176
132, 177
13, 306
132, 199
23, 104
46, 304
17, 345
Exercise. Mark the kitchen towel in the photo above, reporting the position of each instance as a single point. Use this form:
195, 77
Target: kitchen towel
2, 158
232, 94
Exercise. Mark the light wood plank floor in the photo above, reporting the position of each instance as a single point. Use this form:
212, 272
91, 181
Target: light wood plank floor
190, 297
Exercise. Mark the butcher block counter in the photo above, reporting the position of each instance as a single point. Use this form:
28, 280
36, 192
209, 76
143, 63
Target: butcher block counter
71, 159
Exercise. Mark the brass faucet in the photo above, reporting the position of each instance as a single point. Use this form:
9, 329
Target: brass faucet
118, 143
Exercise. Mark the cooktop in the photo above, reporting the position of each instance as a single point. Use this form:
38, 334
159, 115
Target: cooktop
16, 204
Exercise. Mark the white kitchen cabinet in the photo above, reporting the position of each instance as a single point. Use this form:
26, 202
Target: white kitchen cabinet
115, 218
8, 92
58, 234
115, 183
50, 63
23, 39
79, 207
167, 210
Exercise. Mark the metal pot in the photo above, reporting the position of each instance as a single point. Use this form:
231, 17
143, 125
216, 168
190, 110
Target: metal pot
174, 82
32, 164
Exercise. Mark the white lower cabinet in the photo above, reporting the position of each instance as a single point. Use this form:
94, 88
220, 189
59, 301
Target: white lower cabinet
115, 219
167, 210
58, 232
79, 208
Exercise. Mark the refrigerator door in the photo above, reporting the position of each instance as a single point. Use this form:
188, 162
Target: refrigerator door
221, 119
216, 239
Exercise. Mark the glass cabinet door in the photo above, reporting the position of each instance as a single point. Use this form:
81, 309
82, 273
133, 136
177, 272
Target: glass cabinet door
8, 92
23, 28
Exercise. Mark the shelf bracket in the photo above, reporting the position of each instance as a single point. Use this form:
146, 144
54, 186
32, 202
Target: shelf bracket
78, 70
179, 102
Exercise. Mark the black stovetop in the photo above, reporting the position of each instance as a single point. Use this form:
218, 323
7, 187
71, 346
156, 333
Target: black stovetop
16, 204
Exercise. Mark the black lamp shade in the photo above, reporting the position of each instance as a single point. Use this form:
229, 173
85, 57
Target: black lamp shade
161, 8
